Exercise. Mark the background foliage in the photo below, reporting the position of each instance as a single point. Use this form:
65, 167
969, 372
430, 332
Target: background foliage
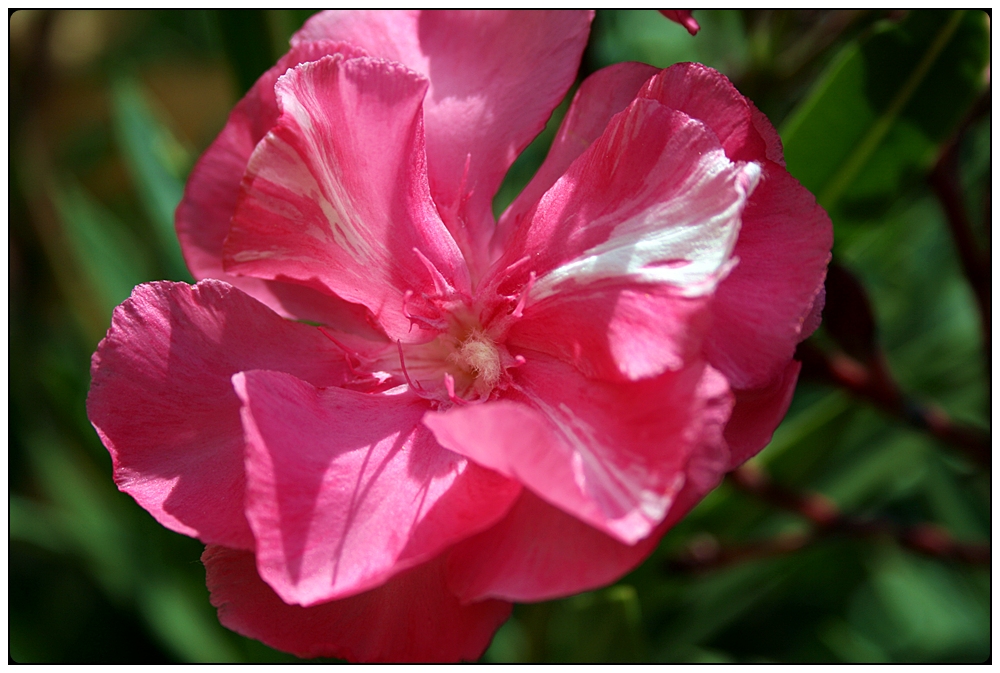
861, 534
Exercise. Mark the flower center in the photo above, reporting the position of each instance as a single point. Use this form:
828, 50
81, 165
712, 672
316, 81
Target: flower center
479, 358
465, 362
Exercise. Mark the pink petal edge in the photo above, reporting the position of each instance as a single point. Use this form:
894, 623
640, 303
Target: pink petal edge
347, 489
414, 617
162, 401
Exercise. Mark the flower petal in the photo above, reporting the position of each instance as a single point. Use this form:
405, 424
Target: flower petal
162, 401
757, 413
610, 454
784, 245
616, 332
412, 618
336, 194
707, 95
683, 17
488, 97
213, 187
765, 307
653, 200
346, 489
538, 552
601, 96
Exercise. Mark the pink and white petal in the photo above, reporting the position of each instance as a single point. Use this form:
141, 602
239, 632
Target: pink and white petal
538, 552
616, 332
707, 95
336, 194
346, 489
162, 401
654, 201
610, 454
488, 97
763, 306
211, 192
757, 413
766, 306
411, 618
601, 96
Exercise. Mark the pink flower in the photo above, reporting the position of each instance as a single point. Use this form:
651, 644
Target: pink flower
488, 412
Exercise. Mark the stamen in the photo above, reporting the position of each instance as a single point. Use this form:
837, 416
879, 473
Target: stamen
417, 388
449, 385
441, 285
519, 309
414, 319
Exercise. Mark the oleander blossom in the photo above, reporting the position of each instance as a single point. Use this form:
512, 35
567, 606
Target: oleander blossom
388, 415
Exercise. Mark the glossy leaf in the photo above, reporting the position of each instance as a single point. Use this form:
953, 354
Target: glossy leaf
873, 122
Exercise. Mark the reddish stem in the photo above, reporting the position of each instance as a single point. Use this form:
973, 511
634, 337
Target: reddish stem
873, 382
705, 552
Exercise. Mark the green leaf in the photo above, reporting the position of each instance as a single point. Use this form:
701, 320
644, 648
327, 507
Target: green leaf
646, 36
105, 250
598, 626
247, 38
179, 617
874, 121
155, 160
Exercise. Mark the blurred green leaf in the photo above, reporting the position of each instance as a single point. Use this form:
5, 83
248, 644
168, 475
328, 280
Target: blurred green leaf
510, 644
81, 511
84, 517
851, 646
105, 250
646, 36
920, 610
177, 614
874, 120
248, 41
601, 626
711, 603
157, 163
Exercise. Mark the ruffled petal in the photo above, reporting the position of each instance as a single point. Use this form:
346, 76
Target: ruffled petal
538, 552
213, 187
610, 454
653, 201
601, 96
488, 97
411, 618
707, 95
162, 401
346, 489
766, 305
770, 302
336, 194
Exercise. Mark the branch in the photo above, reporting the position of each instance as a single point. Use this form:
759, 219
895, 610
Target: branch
873, 383
929, 539
944, 180
858, 364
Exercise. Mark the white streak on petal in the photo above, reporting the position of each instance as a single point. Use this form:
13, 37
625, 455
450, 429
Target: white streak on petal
686, 241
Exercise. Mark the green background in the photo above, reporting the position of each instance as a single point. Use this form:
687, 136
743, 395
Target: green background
108, 112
